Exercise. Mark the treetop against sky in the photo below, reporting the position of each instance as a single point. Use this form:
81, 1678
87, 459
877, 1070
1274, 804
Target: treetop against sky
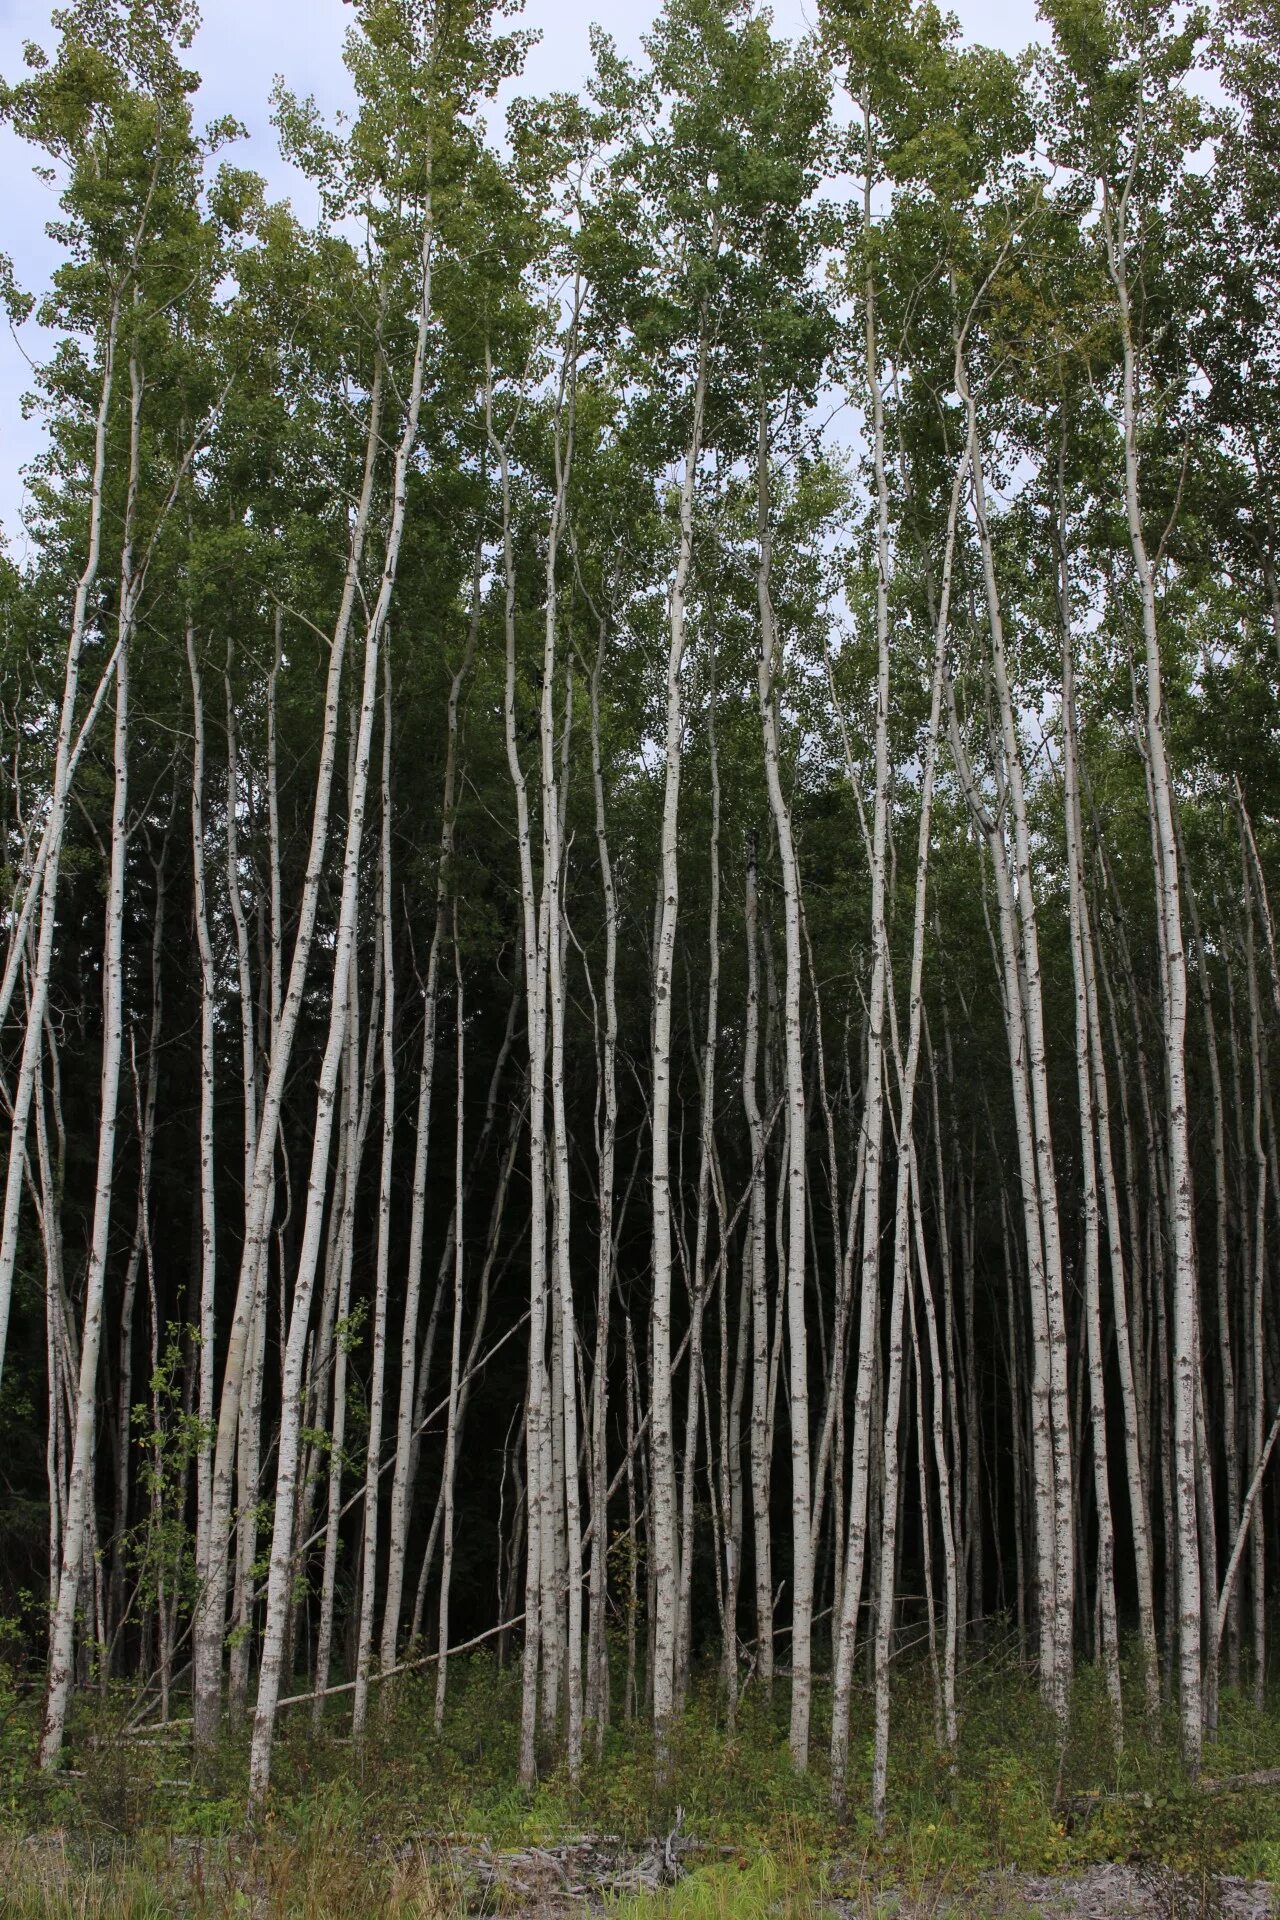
241, 47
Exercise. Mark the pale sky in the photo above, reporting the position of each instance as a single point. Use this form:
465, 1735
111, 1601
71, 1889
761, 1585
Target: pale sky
241, 47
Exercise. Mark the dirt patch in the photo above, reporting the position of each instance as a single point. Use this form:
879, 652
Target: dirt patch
1106, 1892
579, 1879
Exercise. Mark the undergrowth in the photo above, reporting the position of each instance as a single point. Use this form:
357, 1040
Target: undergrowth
129, 1830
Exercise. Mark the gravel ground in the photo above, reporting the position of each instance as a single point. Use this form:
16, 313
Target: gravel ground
1107, 1892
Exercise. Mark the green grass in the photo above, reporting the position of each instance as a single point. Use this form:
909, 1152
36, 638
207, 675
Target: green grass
129, 1830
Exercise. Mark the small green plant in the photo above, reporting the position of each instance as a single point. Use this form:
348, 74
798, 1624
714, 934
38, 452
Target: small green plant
770, 1886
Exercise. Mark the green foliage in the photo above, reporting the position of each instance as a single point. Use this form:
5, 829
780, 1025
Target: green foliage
367, 1826
781, 1886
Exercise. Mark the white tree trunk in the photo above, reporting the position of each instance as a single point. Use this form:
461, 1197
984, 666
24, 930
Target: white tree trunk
537, 1412
210, 1618
662, 1441
902, 1221
755, 1288
1040, 1193
410, 1384
51, 849
1077, 913
280, 1578
78, 1524
455, 1350
607, 1128
382, 1257
873, 1108
287, 1447
1174, 1009
208, 1242
768, 665
698, 1276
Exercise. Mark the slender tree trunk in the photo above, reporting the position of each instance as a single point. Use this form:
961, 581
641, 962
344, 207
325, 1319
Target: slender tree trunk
382, 1258
906, 1174
281, 1545
537, 1412
279, 1584
455, 1351
698, 1278
662, 1439
210, 1620
768, 665
873, 1108
554, 799
51, 847
353, 1093
1020, 937
755, 1286
1077, 914
1174, 1011
597, 1645
79, 1499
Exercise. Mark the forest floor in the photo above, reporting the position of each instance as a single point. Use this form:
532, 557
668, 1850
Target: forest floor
424, 1827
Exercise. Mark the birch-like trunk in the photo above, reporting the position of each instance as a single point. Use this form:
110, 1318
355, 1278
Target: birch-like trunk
412, 1380
755, 1289
210, 1618
279, 1579
537, 1412
1020, 937
344, 1210
902, 1223
382, 1257
208, 1242
662, 1438
768, 665
1077, 913
873, 1107
698, 1277
1186, 1342
455, 1349
597, 1706
39, 973
78, 1522
554, 801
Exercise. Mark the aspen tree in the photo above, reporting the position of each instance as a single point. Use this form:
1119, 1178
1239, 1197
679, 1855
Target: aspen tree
277, 444
904, 1215
288, 1444
1025, 1013
455, 1351
259, 1201
281, 1548
354, 1086
1077, 913
412, 1381
768, 663
756, 1288
77, 1524
32, 108
872, 1140
606, 1141
698, 1276
537, 1414
664, 1539
382, 1257
1141, 60
554, 801
208, 1235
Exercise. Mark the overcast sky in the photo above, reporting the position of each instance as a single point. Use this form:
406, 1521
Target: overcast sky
241, 47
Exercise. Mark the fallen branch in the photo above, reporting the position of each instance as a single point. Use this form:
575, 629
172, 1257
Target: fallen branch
1145, 1796
349, 1686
